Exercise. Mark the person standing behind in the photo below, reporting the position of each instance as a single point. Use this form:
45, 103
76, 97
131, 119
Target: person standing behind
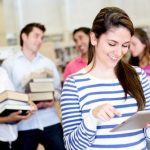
81, 39
8, 131
140, 50
44, 126
106, 92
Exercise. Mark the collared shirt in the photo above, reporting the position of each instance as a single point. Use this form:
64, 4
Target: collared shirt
18, 68
8, 132
74, 66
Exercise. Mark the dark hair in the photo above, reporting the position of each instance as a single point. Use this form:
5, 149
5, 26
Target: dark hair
28, 28
115, 17
145, 59
86, 30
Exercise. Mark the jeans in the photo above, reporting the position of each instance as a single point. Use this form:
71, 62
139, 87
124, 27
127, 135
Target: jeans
51, 138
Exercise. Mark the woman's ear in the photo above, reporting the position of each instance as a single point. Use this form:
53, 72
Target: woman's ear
93, 39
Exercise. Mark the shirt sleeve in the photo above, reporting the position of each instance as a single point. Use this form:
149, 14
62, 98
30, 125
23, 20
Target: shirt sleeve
67, 71
7, 66
6, 82
146, 88
57, 82
79, 131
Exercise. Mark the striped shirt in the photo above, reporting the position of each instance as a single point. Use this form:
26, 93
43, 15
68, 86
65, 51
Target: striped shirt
81, 93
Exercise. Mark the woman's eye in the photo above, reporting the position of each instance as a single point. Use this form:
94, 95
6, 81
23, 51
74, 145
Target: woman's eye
125, 46
111, 44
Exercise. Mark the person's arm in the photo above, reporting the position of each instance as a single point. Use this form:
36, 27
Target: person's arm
67, 71
146, 88
13, 117
7, 65
79, 132
57, 82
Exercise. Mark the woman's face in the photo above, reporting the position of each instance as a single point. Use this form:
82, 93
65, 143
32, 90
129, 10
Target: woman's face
136, 47
111, 46
81, 42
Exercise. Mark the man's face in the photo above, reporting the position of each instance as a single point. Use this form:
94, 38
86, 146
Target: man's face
33, 40
81, 42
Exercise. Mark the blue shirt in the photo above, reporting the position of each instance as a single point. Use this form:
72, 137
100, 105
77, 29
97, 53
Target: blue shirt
83, 92
18, 67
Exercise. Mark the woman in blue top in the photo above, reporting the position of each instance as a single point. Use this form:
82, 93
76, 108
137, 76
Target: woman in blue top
107, 92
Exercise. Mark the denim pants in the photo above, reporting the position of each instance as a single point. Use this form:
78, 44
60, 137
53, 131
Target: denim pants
51, 138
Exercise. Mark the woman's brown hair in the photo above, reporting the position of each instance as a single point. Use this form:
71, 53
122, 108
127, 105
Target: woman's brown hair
115, 17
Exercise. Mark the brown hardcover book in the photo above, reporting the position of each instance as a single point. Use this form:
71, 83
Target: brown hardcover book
10, 108
13, 96
11, 101
43, 80
41, 86
41, 96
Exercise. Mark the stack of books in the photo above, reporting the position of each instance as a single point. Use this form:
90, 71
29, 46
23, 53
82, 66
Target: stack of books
11, 101
38, 73
40, 89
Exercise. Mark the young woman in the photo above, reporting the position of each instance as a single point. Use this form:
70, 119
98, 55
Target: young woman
104, 94
140, 50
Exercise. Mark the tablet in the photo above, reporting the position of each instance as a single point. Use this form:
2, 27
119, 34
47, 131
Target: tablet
137, 121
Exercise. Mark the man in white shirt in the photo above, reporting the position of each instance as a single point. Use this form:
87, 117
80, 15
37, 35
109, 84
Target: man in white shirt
44, 126
8, 131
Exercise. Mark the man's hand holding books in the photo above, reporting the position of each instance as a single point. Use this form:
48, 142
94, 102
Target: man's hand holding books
45, 104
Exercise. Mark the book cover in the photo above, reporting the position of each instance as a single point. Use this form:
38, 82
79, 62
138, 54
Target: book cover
8, 109
43, 80
43, 96
11, 101
13, 96
41, 86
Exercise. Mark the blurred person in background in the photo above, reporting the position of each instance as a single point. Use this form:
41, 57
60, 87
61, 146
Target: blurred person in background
140, 50
81, 39
44, 126
8, 125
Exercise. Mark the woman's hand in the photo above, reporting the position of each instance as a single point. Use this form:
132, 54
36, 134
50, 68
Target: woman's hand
105, 112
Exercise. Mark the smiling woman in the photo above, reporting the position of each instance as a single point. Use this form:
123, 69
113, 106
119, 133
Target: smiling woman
106, 92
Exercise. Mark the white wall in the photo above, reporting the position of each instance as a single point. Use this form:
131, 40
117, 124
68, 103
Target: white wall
62, 16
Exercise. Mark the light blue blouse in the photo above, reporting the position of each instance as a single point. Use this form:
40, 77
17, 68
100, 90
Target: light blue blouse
18, 67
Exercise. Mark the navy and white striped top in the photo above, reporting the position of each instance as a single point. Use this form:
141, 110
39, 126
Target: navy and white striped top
83, 92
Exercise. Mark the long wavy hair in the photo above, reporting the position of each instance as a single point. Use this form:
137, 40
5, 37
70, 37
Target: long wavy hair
107, 18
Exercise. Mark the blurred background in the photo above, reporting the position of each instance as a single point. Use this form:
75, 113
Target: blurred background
60, 18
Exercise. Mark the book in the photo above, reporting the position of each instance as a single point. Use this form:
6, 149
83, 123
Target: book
137, 121
38, 73
40, 79
41, 86
13, 95
11, 101
7, 109
41, 96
